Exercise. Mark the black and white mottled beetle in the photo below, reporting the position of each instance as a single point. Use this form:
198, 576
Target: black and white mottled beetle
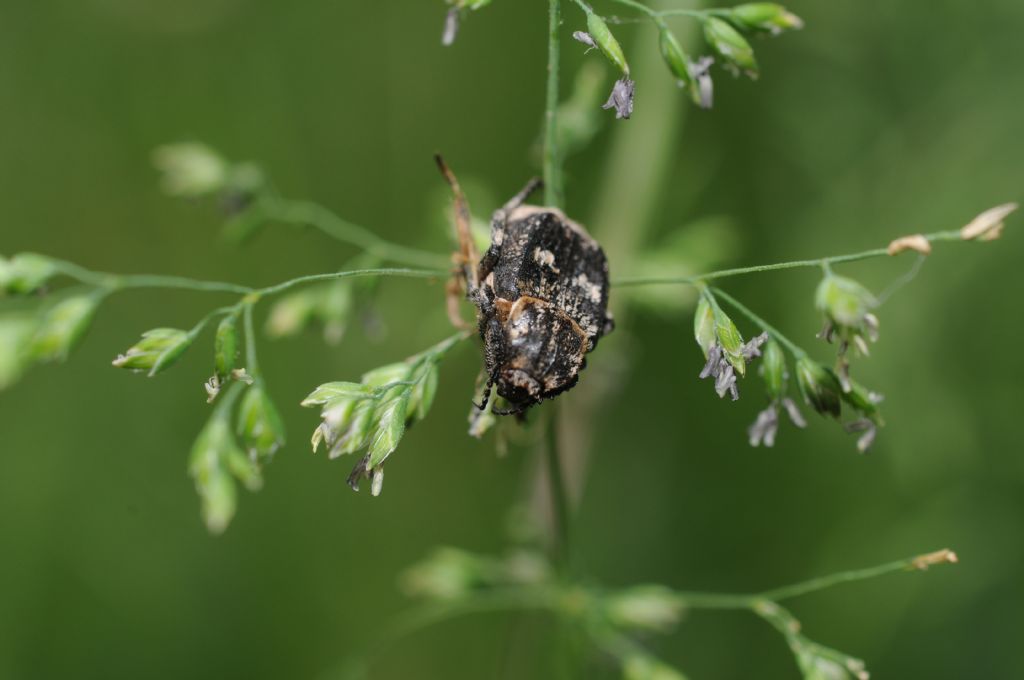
541, 292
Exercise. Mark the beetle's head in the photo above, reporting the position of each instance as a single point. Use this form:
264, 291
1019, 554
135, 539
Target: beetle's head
518, 387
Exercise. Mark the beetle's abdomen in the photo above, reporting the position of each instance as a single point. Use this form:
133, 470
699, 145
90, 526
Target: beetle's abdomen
544, 351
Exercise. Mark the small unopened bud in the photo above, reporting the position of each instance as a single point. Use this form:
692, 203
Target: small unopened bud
944, 556
816, 666
447, 574
190, 170
819, 387
16, 332
704, 326
336, 307
292, 312
609, 46
674, 57
730, 340
225, 347
347, 414
733, 47
723, 346
765, 16
843, 300
916, 242
259, 424
653, 607
25, 273
214, 460
773, 370
62, 327
639, 666
863, 400
988, 226
157, 350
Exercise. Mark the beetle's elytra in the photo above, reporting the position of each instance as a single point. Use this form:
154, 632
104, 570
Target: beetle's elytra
541, 292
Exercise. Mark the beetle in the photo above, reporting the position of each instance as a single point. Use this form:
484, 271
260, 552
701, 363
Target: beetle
541, 293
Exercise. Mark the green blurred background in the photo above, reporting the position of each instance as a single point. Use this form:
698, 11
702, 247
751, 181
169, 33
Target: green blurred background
878, 119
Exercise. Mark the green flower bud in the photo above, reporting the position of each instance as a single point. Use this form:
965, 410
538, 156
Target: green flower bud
292, 312
424, 391
819, 386
156, 351
447, 574
864, 401
259, 424
643, 667
765, 17
816, 666
25, 273
16, 331
604, 39
62, 327
225, 347
360, 429
341, 401
773, 370
391, 420
335, 309
214, 461
385, 375
844, 301
218, 498
244, 469
333, 391
729, 339
732, 46
649, 607
704, 326
332, 303
190, 170
674, 57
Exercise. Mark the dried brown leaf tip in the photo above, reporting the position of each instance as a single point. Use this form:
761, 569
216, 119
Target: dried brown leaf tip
916, 242
944, 556
988, 226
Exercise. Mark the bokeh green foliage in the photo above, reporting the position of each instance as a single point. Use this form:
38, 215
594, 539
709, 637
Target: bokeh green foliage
878, 119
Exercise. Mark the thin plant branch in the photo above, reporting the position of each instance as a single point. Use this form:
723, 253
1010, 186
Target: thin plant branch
553, 190
117, 282
317, 216
818, 263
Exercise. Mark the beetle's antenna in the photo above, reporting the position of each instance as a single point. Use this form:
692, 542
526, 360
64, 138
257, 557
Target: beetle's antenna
520, 198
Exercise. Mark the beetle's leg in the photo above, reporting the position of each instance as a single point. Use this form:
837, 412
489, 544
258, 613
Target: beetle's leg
487, 395
490, 258
518, 411
464, 280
